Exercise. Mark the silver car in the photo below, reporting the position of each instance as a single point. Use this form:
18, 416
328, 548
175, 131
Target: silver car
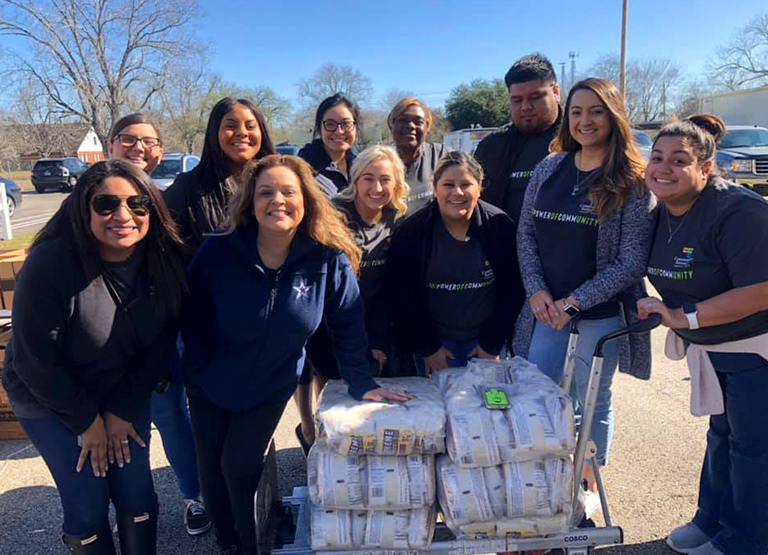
172, 164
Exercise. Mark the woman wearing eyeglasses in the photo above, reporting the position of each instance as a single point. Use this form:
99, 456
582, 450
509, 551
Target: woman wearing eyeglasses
330, 154
135, 139
94, 323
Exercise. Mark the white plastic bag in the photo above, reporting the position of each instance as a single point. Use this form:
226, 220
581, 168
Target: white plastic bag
538, 422
367, 427
369, 481
511, 491
333, 529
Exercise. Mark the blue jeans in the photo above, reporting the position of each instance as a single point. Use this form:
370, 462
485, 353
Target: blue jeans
547, 351
733, 490
85, 498
170, 413
459, 349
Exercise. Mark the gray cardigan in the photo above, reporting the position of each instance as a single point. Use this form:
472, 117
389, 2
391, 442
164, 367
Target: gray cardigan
623, 245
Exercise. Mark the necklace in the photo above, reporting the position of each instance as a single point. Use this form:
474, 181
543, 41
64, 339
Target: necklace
669, 224
580, 182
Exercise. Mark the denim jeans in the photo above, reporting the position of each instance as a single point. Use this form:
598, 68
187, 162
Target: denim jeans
170, 413
459, 349
733, 490
85, 498
547, 351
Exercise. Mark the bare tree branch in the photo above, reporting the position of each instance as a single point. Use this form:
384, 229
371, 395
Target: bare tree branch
95, 58
331, 79
742, 61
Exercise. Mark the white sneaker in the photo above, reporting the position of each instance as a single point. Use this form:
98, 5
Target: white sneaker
686, 538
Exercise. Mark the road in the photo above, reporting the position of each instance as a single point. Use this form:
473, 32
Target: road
651, 480
35, 210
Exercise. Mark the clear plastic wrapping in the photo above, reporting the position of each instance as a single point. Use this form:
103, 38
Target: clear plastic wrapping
364, 427
377, 530
370, 481
538, 422
476, 502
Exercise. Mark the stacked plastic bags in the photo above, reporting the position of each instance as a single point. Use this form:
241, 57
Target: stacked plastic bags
371, 475
507, 470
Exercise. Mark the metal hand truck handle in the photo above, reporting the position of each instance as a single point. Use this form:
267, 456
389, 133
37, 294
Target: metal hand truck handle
588, 410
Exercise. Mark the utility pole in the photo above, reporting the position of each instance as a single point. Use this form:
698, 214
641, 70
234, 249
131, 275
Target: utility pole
622, 69
562, 75
573, 56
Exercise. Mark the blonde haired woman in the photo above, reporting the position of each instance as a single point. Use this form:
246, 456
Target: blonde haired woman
373, 203
257, 293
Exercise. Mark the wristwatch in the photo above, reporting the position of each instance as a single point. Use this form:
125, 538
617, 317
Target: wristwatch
571, 310
692, 315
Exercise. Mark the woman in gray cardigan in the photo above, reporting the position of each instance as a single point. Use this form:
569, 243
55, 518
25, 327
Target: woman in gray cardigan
583, 243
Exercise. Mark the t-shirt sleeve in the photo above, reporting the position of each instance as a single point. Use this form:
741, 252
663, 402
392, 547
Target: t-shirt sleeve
743, 242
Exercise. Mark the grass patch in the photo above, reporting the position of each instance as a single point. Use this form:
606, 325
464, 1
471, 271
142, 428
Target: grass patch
20, 241
22, 178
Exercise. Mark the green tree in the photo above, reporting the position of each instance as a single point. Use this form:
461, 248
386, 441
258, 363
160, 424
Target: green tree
482, 102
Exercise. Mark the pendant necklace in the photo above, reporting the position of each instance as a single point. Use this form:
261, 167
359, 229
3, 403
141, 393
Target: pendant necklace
580, 182
669, 222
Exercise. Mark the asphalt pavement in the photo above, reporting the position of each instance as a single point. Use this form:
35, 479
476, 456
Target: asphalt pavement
35, 210
651, 480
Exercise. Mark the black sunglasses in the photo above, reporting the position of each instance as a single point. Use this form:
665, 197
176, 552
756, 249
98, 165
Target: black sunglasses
104, 205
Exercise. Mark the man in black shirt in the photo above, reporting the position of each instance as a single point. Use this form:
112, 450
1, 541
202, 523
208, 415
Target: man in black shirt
509, 156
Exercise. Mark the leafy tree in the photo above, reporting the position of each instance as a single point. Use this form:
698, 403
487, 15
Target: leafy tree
484, 103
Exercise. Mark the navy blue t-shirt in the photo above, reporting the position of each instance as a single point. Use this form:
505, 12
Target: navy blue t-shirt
566, 234
721, 243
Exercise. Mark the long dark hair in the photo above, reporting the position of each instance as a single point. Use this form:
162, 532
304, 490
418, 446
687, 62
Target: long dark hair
623, 168
213, 166
164, 247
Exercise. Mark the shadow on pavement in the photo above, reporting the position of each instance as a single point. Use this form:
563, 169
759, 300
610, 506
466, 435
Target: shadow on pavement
31, 520
15, 449
656, 547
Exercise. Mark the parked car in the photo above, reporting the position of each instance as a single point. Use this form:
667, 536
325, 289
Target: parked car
291, 150
12, 195
743, 154
644, 142
57, 173
172, 164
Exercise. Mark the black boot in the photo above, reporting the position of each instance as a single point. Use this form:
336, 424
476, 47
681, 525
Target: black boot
90, 544
138, 533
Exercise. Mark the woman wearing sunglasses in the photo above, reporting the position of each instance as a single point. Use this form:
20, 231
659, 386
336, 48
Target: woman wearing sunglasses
237, 133
330, 154
135, 139
94, 323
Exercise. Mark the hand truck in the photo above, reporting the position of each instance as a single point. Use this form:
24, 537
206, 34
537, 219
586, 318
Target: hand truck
283, 528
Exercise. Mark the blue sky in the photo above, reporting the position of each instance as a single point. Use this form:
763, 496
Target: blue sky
429, 46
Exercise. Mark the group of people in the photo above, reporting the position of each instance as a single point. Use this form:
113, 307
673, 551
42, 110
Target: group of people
257, 274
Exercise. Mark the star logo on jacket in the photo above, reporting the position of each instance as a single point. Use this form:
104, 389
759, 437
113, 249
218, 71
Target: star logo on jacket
302, 290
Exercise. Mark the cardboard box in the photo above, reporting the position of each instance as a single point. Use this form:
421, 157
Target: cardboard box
9, 270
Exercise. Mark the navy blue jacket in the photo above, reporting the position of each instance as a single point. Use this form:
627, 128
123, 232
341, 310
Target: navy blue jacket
244, 335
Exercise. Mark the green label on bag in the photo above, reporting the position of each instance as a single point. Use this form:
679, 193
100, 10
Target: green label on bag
496, 399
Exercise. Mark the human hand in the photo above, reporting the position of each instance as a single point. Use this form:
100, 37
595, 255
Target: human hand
93, 442
380, 357
118, 432
386, 395
438, 360
478, 352
544, 308
672, 318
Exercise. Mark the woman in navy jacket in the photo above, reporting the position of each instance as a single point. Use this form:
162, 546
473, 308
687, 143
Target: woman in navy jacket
257, 293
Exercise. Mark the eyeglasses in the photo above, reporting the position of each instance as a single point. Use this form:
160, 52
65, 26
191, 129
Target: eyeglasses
331, 126
129, 141
104, 205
